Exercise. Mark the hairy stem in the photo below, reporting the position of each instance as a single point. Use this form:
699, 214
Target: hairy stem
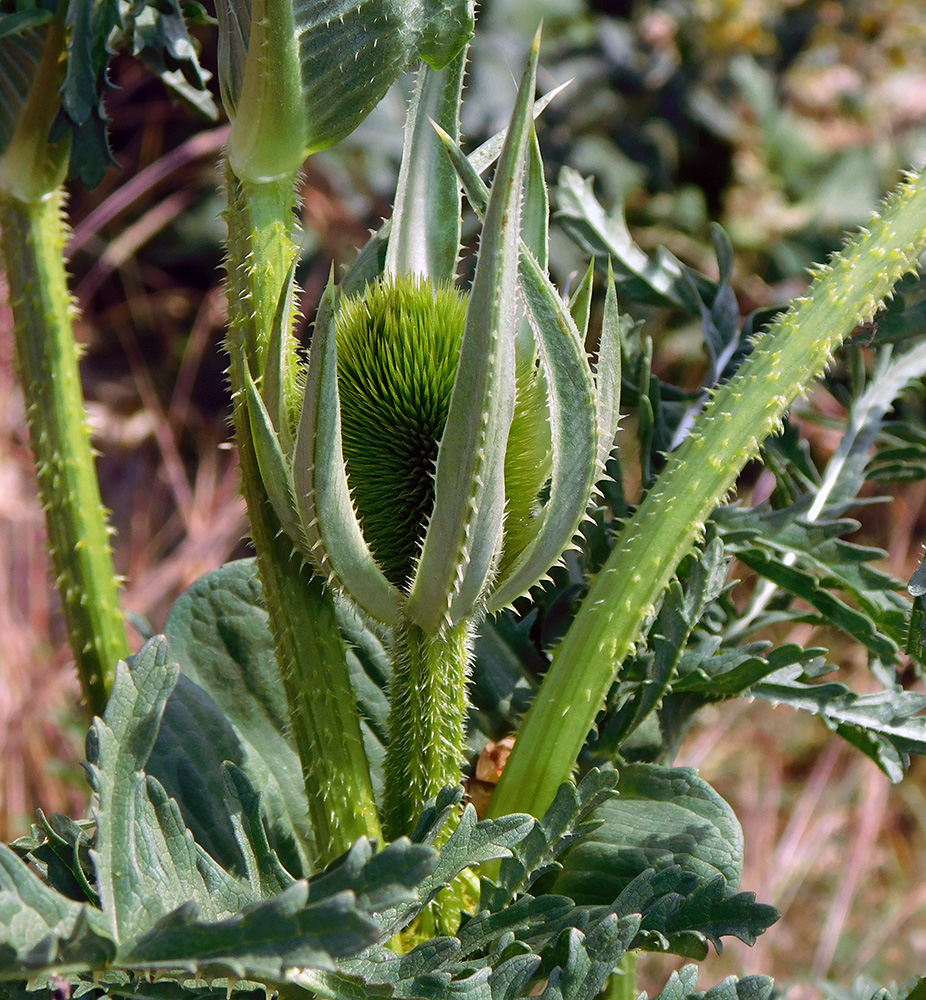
33, 237
696, 478
311, 653
426, 719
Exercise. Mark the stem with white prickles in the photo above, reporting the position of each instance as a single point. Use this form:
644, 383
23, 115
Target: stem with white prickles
33, 237
323, 707
426, 719
696, 478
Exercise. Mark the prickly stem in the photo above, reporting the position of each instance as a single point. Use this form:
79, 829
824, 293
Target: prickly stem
323, 709
33, 237
697, 477
426, 719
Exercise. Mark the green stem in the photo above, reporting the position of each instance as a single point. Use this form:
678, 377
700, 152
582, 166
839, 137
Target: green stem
33, 236
426, 719
696, 478
622, 984
323, 707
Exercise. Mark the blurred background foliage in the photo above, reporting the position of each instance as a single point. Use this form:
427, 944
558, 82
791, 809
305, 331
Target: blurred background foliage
784, 121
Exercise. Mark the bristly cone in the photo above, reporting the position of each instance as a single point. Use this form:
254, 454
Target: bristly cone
398, 347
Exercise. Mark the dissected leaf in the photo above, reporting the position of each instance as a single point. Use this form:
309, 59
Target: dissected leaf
885, 726
681, 986
566, 819
660, 279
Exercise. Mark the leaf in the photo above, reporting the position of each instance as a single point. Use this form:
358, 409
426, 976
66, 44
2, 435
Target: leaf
681, 986
425, 234
885, 726
91, 26
573, 404
591, 960
335, 539
537, 853
464, 533
230, 705
810, 559
266, 875
40, 928
261, 941
733, 671
370, 261
21, 41
471, 844
660, 816
659, 280
331, 65
161, 38
682, 609
118, 746
681, 912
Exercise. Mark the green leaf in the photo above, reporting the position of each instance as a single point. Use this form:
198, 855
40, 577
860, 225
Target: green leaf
261, 941
335, 539
590, 961
681, 986
370, 262
660, 280
730, 672
118, 747
682, 609
885, 726
566, 819
607, 371
298, 76
809, 559
681, 912
237, 711
22, 37
274, 468
660, 816
573, 404
266, 875
464, 533
41, 929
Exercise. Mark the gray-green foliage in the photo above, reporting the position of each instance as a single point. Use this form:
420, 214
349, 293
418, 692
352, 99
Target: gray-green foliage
133, 892
244, 763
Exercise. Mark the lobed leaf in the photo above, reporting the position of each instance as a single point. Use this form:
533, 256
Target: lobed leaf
885, 726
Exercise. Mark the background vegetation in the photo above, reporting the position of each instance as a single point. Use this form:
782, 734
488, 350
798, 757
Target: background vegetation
784, 121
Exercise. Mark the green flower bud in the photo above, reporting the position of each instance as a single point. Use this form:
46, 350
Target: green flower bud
298, 75
398, 347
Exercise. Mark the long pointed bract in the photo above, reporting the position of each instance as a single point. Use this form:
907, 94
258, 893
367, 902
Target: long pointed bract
424, 238
573, 405
464, 534
333, 531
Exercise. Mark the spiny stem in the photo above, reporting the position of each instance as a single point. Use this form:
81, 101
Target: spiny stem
426, 719
696, 478
323, 708
33, 235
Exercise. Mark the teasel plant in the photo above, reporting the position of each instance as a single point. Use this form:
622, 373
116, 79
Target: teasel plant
446, 442
35, 149
336, 456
